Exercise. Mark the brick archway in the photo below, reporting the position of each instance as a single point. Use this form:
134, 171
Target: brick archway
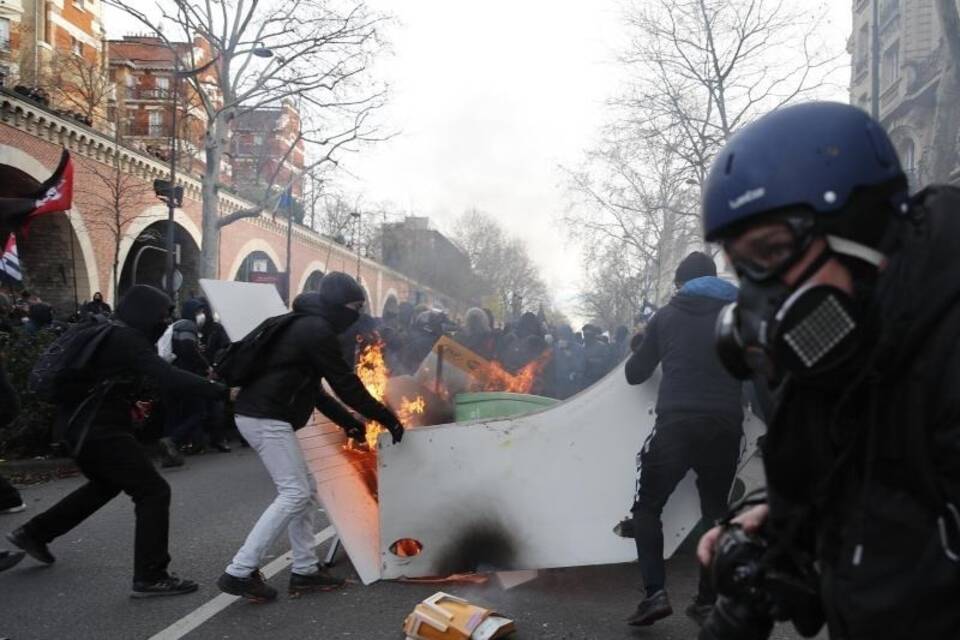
252, 245
314, 267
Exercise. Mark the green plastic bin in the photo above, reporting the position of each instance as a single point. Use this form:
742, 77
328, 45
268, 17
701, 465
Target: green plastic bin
491, 405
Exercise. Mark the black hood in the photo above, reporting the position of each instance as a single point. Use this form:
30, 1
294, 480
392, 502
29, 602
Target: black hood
145, 309
338, 316
338, 288
191, 308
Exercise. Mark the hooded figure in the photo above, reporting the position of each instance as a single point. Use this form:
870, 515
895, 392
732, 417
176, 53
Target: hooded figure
100, 404
699, 423
273, 405
477, 335
529, 344
97, 307
598, 355
40, 316
567, 364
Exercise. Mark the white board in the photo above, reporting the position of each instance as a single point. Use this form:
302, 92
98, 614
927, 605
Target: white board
242, 305
534, 492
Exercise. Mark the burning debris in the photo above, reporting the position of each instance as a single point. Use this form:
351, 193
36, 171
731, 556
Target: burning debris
446, 617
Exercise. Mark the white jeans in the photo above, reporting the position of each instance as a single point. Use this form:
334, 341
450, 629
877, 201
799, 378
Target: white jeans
295, 504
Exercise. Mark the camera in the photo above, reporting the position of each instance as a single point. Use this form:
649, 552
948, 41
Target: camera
758, 583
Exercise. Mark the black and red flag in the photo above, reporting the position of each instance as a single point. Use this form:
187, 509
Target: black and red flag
55, 194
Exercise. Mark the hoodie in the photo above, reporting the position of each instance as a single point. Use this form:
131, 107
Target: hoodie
306, 352
681, 338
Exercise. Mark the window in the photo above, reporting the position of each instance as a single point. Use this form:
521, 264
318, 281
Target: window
862, 53
4, 34
155, 120
76, 46
890, 65
163, 83
888, 10
131, 80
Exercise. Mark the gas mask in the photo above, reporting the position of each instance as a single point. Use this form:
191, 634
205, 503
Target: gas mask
806, 331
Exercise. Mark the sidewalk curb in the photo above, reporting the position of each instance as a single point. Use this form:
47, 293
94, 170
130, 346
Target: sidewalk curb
37, 470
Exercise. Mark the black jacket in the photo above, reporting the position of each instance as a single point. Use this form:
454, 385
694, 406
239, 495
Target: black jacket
862, 467
128, 356
681, 337
307, 352
186, 340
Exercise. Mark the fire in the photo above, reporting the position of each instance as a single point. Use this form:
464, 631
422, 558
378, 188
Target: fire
373, 373
499, 379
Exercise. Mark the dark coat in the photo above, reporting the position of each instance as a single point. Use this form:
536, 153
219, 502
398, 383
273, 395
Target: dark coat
680, 336
307, 352
867, 462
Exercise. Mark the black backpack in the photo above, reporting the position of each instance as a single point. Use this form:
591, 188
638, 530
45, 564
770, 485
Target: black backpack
241, 362
61, 366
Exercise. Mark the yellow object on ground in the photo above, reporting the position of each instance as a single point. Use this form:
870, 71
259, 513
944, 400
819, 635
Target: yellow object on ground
446, 617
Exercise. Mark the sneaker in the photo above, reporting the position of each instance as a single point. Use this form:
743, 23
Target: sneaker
699, 610
171, 585
17, 508
624, 528
169, 456
322, 580
252, 587
10, 558
651, 608
34, 548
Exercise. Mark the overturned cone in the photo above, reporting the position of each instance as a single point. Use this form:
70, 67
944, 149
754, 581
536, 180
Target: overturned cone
446, 617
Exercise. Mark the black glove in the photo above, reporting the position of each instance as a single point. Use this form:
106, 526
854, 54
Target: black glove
396, 430
356, 432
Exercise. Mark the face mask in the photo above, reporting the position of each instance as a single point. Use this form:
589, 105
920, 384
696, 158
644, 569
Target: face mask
201, 319
340, 317
806, 332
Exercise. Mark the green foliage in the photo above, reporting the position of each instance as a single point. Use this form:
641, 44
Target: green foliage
30, 433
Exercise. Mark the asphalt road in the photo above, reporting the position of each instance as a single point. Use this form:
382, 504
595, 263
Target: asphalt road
216, 499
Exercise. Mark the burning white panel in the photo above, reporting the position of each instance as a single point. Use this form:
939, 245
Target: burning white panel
534, 492
242, 305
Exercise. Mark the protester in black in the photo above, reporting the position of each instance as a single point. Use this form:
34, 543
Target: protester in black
279, 400
849, 314
698, 426
109, 456
97, 307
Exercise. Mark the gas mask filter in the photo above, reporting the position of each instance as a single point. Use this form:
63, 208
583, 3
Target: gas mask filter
806, 332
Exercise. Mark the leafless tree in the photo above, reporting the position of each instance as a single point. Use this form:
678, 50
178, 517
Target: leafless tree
112, 199
946, 121
319, 54
80, 85
698, 70
501, 263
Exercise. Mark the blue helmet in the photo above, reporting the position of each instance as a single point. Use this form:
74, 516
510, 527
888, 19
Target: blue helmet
814, 155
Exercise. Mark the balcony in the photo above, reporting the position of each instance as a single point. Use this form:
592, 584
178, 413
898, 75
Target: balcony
138, 130
149, 93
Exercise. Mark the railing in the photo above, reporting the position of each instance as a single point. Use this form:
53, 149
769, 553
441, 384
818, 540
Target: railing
149, 93
146, 130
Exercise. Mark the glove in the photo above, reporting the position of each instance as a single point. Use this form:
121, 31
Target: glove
396, 430
356, 432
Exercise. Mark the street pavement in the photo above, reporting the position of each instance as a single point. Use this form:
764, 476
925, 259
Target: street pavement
216, 499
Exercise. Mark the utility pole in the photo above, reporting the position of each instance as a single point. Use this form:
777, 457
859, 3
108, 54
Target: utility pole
289, 244
875, 62
172, 199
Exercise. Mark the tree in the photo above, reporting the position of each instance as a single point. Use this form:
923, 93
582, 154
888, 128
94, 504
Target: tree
699, 70
113, 198
81, 85
946, 121
501, 264
319, 54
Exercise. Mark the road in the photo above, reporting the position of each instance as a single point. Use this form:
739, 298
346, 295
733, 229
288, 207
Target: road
216, 499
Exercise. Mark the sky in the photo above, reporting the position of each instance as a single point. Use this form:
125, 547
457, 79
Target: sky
489, 99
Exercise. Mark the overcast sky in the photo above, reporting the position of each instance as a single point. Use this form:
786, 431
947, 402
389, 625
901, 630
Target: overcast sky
490, 97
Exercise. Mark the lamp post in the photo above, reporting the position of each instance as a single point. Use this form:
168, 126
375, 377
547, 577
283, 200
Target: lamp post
178, 75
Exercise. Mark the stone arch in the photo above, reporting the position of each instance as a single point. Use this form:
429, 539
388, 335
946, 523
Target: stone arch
144, 260
314, 267
151, 215
391, 301
252, 246
22, 161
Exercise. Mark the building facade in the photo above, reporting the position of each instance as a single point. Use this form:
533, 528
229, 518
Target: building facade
267, 151
912, 58
413, 248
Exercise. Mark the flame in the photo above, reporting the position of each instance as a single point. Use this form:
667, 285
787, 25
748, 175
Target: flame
373, 373
496, 378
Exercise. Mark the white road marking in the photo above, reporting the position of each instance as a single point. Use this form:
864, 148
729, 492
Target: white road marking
198, 616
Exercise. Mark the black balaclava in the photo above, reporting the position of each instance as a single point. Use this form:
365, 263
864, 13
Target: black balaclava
337, 290
146, 309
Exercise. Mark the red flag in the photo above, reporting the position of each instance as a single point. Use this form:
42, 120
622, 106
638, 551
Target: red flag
55, 194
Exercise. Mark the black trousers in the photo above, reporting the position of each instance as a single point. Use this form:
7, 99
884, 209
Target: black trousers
9, 496
708, 445
111, 465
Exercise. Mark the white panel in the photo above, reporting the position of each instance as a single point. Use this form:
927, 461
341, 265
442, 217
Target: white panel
534, 492
242, 305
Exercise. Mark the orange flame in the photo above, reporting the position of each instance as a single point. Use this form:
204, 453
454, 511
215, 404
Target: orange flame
496, 378
373, 373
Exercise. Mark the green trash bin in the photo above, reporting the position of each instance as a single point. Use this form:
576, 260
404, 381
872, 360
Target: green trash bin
491, 405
